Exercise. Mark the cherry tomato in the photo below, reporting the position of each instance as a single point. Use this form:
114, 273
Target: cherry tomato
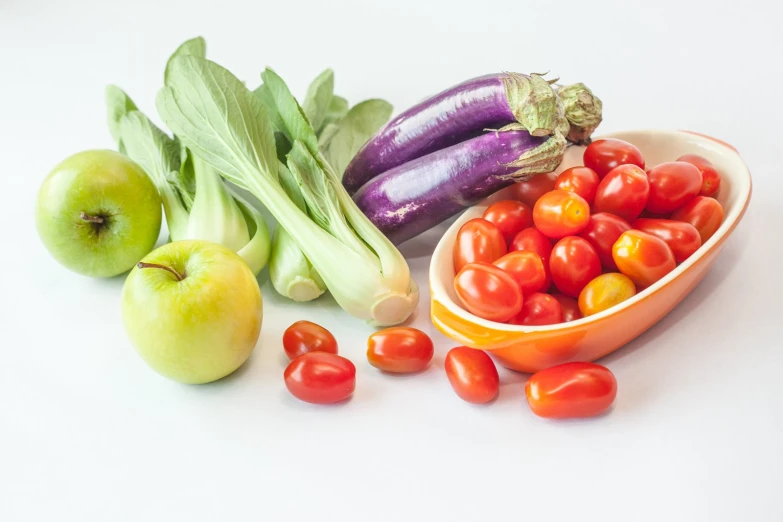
582, 180
604, 292
602, 232
539, 309
710, 179
570, 307
400, 349
472, 375
488, 292
604, 155
623, 192
320, 377
561, 213
478, 241
704, 213
529, 191
573, 264
532, 239
528, 270
510, 217
681, 237
577, 389
304, 336
643, 257
672, 185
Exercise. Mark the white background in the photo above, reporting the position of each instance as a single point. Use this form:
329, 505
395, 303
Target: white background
89, 433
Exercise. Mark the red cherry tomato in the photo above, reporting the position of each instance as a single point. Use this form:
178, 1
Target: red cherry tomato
704, 213
528, 270
570, 307
561, 213
710, 179
604, 292
681, 237
623, 192
488, 292
510, 217
643, 257
582, 180
573, 264
577, 389
472, 375
400, 349
320, 377
533, 240
304, 337
604, 155
478, 241
602, 232
539, 309
672, 185
529, 191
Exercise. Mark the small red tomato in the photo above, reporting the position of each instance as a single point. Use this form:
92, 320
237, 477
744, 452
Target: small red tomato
604, 292
672, 185
472, 375
478, 241
710, 179
570, 307
561, 213
577, 389
488, 292
529, 191
704, 213
573, 264
528, 270
643, 257
582, 180
304, 337
623, 192
604, 155
320, 377
509, 216
681, 237
533, 240
602, 232
400, 349
539, 309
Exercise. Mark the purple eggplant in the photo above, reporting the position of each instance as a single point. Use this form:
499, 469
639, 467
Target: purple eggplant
411, 198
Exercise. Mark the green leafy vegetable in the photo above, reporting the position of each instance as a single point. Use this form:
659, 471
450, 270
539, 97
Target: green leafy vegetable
318, 98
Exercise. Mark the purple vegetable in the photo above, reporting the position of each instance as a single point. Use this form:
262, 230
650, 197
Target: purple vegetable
407, 200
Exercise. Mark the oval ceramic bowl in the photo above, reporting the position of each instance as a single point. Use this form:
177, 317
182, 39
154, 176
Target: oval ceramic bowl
532, 348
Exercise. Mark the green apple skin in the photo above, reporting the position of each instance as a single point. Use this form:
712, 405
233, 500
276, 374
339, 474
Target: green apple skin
105, 186
197, 329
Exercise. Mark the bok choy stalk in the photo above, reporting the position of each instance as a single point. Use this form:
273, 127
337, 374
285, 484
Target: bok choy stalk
221, 121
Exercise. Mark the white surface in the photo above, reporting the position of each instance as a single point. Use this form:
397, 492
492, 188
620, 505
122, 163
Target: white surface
89, 433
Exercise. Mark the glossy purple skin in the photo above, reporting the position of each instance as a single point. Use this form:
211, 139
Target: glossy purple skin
405, 201
450, 117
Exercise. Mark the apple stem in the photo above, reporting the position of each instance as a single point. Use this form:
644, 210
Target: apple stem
92, 219
142, 264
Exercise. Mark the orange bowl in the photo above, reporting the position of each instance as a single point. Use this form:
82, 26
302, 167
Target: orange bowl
532, 348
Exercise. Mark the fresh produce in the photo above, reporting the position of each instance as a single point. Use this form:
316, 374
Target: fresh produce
400, 349
527, 268
573, 264
97, 213
539, 309
642, 257
582, 109
510, 217
561, 213
472, 375
533, 240
602, 232
682, 238
320, 378
604, 155
672, 185
623, 192
192, 310
710, 179
478, 241
569, 306
488, 292
529, 191
305, 337
569, 390
704, 213
581, 180
604, 292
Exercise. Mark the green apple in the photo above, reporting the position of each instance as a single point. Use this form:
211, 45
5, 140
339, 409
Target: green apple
98, 213
193, 310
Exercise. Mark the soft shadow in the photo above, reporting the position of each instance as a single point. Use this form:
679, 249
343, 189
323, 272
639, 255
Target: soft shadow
424, 244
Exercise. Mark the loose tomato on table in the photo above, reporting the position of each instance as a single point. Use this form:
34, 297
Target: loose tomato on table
478, 240
643, 257
704, 213
710, 179
509, 216
623, 192
472, 375
581, 180
573, 264
602, 231
304, 336
488, 292
569, 306
400, 349
527, 268
604, 155
577, 389
682, 238
320, 378
539, 309
533, 240
672, 184
604, 292
529, 191
561, 213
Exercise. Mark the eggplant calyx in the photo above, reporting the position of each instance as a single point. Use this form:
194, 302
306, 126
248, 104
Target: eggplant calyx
539, 160
534, 103
583, 110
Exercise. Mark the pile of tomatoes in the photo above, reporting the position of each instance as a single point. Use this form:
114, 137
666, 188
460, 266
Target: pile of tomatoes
579, 244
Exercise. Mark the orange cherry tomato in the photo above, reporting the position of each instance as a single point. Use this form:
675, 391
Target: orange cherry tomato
472, 375
478, 241
710, 179
528, 270
561, 213
488, 292
602, 232
539, 309
672, 185
400, 349
509, 216
582, 180
623, 192
577, 389
604, 292
320, 377
573, 264
304, 337
643, 257
533, 240
604, 155
570, 307
529, 191
704, 213
682, 238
